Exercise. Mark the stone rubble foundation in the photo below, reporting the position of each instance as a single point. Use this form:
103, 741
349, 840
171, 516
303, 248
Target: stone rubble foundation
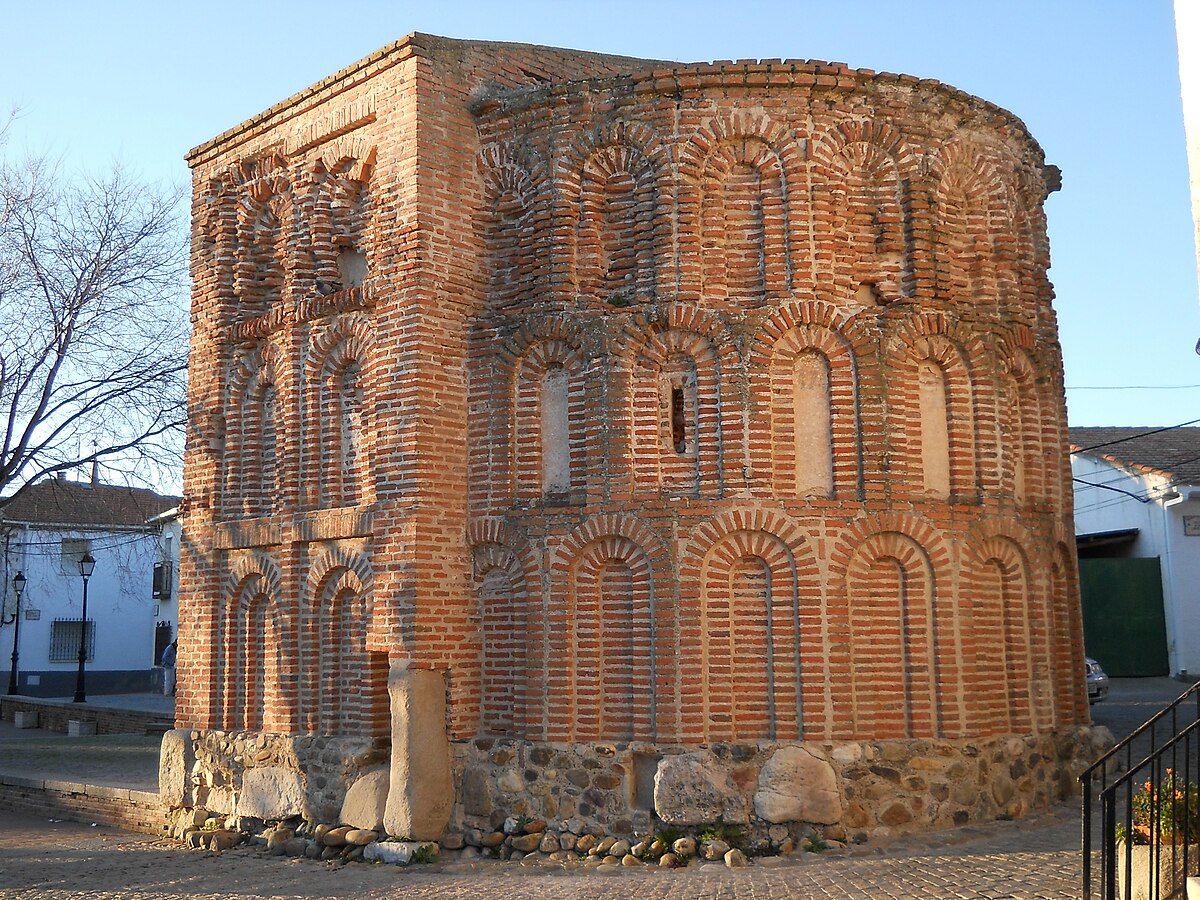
610, 803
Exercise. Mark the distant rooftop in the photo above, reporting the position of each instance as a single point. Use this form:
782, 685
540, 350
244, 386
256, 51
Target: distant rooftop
81, 503
1172, 451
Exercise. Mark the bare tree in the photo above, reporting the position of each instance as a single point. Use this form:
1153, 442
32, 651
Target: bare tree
93, 323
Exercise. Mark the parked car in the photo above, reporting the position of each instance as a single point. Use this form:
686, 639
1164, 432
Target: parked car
1097, 681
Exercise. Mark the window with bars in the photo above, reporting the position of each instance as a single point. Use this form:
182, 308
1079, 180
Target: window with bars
64, 640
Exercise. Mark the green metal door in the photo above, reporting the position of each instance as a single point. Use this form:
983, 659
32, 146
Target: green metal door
1124, 626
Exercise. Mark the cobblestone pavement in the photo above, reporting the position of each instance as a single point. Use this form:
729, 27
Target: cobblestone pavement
1032, 858
109, 760
1133, 701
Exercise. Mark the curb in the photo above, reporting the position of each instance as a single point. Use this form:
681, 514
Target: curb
133, 810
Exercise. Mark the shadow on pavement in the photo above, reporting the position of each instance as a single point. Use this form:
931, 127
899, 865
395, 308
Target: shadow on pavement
111, 760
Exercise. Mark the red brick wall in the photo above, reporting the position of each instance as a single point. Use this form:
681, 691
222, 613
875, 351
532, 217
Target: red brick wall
55, 716
882, 226
302, 583
675, 252
137, 811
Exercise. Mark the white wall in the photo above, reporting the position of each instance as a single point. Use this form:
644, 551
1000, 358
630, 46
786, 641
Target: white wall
167, 608
1160, 526
119, 599
1183, 564
1104, 509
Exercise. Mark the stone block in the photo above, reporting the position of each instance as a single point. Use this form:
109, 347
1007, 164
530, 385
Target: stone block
965, 793
526, 843
684, 846
366, 800
398, 853
694, 789
847, 754
1164, 869
896, 814
1003, 788
797, 786
360, 837
277, 838
270, 792
476, 799
175, 762
421, 795
219, 800
222, 839
715, 849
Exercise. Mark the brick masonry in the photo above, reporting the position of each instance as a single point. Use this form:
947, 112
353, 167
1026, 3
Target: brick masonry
138, 811
648, 402
54, 716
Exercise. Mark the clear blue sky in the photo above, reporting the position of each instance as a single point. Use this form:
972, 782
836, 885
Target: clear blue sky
1095, 81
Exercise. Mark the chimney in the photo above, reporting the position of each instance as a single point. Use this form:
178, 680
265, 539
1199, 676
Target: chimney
95, 471
62, 477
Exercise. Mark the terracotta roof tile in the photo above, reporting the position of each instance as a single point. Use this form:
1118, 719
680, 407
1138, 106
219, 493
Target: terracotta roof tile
1175, 451
54, 502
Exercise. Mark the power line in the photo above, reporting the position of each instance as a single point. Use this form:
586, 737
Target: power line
1109, 487
1134, 437
1175, 464
97, 543
1131, 387
1098, 505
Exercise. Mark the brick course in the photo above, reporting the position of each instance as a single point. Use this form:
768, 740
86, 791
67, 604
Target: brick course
138, 811
54, 716
677, 403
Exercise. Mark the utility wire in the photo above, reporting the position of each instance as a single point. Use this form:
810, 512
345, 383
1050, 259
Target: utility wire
1171, 482
1131, 387
1134, 437
97, 543
1108, 487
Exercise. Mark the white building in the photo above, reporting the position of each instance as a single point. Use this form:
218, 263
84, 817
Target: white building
133, 536
1137, 527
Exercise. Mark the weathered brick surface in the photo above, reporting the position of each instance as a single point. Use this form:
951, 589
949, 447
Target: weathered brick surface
54, 716
134, 810
655, 402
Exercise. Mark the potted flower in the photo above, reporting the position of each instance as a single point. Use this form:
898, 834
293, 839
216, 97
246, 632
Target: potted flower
1166, 824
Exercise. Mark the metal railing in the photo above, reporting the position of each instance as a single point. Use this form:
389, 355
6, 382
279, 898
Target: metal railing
1147, 776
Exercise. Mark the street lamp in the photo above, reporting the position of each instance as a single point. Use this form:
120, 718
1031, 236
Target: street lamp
19, 587
87, 566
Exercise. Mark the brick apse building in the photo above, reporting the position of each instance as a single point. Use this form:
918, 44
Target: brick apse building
573, 434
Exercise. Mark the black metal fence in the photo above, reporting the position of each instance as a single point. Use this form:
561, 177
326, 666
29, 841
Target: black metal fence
1149, 828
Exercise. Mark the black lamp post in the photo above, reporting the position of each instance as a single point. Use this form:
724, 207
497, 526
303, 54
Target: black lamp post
19, 587
87, 566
